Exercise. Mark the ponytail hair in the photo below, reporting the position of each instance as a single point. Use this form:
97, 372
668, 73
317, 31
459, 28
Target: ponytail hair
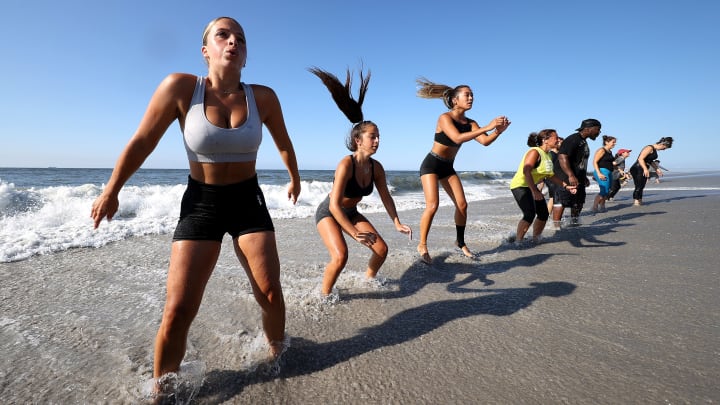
537, 138
428, 89
666, 141
342, 95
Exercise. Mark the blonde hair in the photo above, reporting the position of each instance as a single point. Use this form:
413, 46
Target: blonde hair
213, 22
428, 89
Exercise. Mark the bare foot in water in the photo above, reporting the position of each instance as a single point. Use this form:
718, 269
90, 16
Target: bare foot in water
424, 255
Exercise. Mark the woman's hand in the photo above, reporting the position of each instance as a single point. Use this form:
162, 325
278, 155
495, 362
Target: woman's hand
404, 229
601, 176
502, 126
366, 238
105, 206
293, 191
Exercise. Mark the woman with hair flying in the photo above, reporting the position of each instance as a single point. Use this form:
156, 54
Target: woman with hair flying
640, 170
221, 119
354, 178
452, 130
535, 167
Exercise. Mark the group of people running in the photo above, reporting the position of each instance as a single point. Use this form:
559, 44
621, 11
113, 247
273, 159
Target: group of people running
221, 119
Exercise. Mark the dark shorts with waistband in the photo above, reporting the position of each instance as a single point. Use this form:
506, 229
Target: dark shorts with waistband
323, 211
567, 199
208, 211
434, 164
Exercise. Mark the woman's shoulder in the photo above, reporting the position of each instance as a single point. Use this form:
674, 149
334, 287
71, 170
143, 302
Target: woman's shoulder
179, 82
344, 167
264, 95
261, 90
178, 78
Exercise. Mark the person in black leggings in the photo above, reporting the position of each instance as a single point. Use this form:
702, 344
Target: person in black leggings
640, 170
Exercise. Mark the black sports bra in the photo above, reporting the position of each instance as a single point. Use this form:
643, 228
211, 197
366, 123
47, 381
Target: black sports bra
443, 139
353, 189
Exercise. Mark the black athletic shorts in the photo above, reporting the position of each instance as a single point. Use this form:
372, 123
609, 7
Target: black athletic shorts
323, 211
434, 164
208, 211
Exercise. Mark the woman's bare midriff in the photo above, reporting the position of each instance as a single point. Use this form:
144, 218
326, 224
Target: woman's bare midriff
445, 152
220, 174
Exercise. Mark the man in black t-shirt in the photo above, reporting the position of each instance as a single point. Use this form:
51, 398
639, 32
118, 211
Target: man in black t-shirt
572, 170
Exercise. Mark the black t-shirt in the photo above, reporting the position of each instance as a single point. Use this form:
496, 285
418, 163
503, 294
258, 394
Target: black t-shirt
578, 152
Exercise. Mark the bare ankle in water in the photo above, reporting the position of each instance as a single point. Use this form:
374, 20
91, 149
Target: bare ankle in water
424, 255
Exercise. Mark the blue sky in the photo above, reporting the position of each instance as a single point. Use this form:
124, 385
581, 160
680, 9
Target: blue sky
77, 76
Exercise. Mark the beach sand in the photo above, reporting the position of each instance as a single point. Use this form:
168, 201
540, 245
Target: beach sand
623, 309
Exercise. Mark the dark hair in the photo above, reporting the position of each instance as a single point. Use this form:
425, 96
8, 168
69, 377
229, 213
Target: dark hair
342, 96
430, 89
608, 138
667, 141
537, 138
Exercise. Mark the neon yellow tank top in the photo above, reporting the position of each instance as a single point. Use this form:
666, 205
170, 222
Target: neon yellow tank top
539, 173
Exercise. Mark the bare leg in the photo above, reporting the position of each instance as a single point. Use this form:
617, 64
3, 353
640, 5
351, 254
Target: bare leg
334, 241
191, 264
453, 187
430, 189
550, 204
557, 214
538, 227
522, 229
258, 254
379, 248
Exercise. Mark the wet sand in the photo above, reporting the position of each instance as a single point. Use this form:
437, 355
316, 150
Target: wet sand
623, 309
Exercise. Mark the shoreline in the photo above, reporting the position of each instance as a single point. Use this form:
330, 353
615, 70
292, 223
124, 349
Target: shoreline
622, 309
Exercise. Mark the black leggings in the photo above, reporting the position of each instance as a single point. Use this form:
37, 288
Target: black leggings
640, 181
530, 207
614, 188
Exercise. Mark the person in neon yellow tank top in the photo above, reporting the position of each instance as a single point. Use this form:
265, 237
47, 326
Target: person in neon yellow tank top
535, 166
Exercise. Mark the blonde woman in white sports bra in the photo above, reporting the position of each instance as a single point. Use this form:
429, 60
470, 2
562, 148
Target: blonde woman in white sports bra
221, 119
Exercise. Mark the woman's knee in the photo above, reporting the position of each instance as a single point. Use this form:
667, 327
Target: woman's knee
462, 206
380, 248
339, 257
431, 207
179, 316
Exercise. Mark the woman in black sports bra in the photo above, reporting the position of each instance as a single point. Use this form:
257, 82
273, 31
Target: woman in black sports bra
354, 179
452, 130
640, 171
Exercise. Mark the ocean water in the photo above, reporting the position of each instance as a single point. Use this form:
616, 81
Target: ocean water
77, 324
47, 210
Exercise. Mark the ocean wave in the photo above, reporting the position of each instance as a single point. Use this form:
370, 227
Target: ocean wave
42, 220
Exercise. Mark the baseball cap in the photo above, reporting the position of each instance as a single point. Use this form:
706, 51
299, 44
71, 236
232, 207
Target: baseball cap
588, 123
621, 151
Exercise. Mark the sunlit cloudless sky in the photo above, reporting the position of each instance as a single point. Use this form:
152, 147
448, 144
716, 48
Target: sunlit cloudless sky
77, 75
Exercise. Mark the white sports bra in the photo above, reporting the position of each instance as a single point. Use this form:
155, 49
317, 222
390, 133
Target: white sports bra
205, 142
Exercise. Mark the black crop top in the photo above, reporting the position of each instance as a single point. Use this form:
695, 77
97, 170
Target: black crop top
650, 157
606, 161
443, 139
353, 189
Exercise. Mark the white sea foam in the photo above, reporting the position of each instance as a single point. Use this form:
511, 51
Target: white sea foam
50, 219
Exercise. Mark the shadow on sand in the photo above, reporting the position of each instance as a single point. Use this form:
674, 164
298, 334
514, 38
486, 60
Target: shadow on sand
306, 357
